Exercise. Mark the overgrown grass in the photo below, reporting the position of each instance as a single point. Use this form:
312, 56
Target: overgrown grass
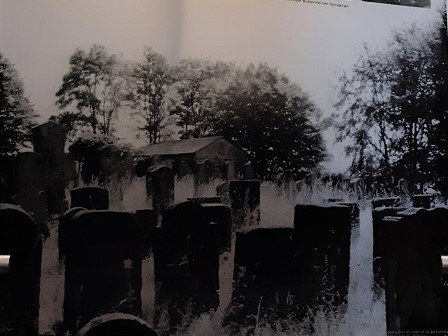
363, 315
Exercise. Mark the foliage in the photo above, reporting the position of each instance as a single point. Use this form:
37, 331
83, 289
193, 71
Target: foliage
73, 122
269, 117
150, 81
87, 150
86, 144
255, 107
197, 84
94, 86
391, 108
16, 113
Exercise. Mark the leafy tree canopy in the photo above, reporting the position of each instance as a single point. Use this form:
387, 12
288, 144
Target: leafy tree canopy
391, 107
16, 112
269, 117
93, 86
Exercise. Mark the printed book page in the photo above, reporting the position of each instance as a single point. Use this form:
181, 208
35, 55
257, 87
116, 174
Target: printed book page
210, 167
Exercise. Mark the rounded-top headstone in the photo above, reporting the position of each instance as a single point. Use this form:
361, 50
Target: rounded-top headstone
117, 325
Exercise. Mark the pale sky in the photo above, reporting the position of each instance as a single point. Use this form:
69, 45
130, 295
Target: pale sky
308, 42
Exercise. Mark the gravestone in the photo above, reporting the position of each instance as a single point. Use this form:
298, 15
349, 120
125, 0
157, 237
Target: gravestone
49, 141
92, 198
149, 221
245, 203
24, 183
20, 239
64, 222
415, 240
220, 218
323, 234
117, 325
379, 240
160, 187
186, 262
421, 201
354, 210
264, 277
283, 273
103, 251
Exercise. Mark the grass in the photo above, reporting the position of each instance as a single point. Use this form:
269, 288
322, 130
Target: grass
363, 315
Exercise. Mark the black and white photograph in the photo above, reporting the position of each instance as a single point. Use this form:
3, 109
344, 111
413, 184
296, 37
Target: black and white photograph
209, 167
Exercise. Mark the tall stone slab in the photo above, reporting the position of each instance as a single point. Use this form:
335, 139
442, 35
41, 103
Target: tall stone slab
380, 240
160, 187
103, 252
186, 262
23, 180
416, 293
264, 278
49, 141
323, 234
21, 240
245, 203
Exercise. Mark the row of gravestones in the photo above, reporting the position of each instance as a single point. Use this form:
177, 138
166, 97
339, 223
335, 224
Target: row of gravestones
409, 245
37, 180
288, 269
102, 253
20, 276
277, 271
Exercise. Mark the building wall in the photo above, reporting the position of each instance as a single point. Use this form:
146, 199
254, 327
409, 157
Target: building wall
221, 151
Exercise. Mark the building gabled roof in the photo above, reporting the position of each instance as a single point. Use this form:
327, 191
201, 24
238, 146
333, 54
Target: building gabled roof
187, 146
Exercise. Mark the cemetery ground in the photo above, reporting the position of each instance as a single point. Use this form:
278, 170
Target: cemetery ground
363, 314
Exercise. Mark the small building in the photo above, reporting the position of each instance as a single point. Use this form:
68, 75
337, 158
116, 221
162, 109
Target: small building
205, 158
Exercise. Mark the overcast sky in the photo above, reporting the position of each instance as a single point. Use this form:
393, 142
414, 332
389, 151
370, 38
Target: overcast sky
308, 42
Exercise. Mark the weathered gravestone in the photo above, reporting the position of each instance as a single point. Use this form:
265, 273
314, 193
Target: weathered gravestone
354, 209
220, 218
379, 240
264, 278
92, 198
186, 262
421, 201
149, 221
20, 239
49, 141
116, 164
117, 325
24, 183
160, 187
323, 234
103, 251
64, 222
245, 203
415, 239
282, 273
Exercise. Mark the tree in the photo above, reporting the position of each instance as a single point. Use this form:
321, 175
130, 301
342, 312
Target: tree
269, 117
16, 112
149, 86
197, 85
391, 107
365, 102
94, 86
